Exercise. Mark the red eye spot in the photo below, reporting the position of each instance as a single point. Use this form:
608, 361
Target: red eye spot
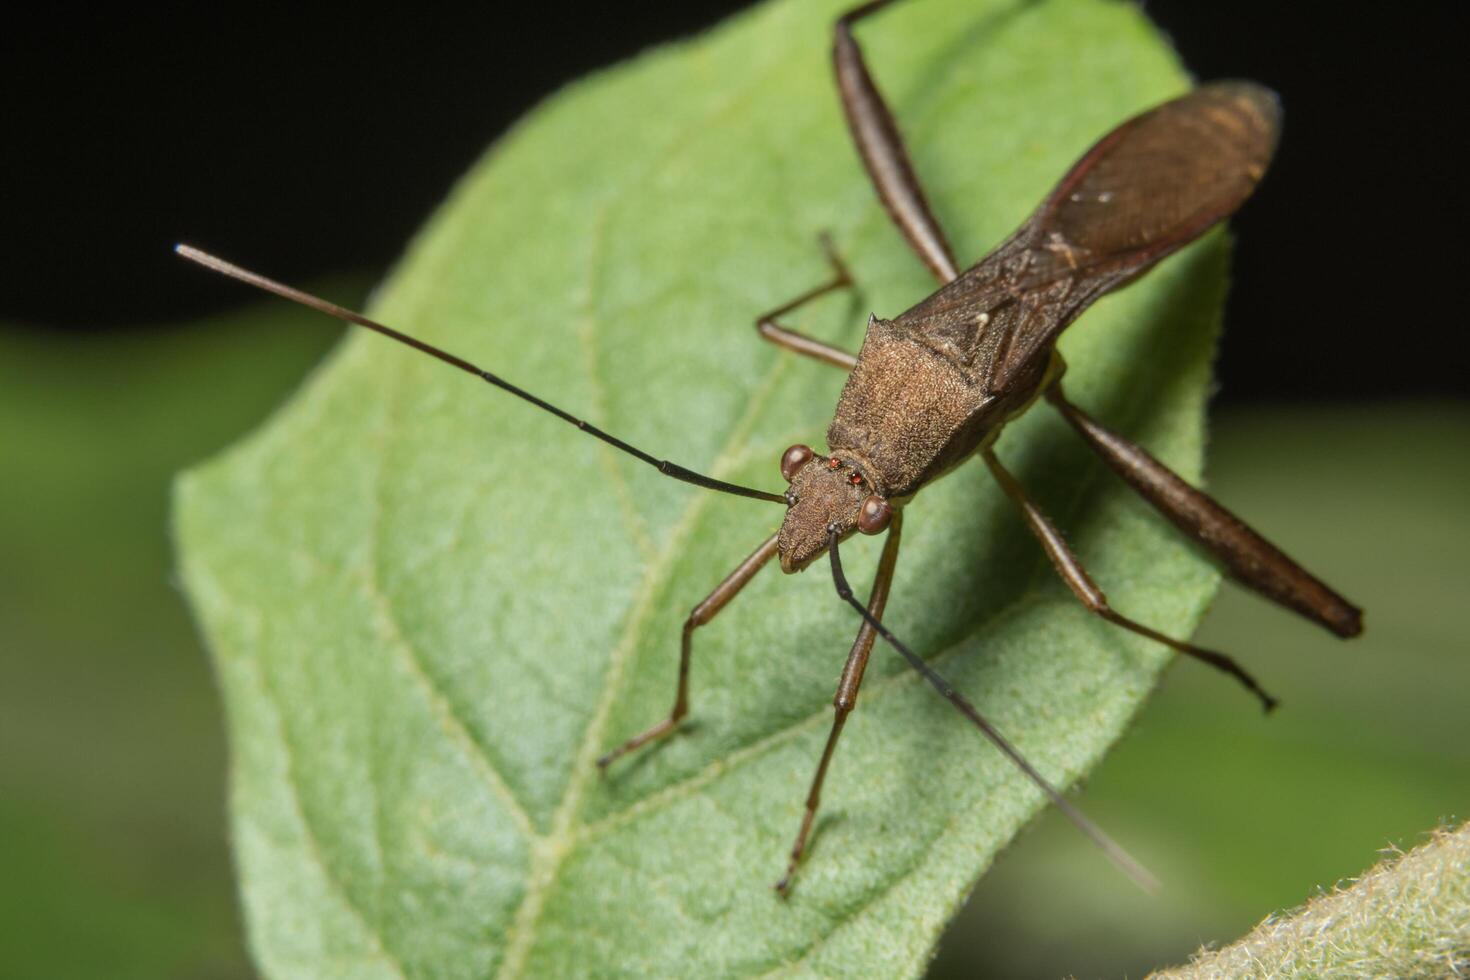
856, 479
832, 463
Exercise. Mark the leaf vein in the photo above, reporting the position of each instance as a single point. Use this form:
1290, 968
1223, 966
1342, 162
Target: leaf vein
311, 842
873, 692
587, 333
445, 712
561, 834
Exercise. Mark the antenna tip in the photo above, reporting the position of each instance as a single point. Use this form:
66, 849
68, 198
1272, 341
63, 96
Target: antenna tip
1126, 863
1150, 884
204, 258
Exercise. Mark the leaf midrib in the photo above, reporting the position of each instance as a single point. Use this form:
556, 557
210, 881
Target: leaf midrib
548, 851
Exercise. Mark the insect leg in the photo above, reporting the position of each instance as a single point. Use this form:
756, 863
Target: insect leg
1092, 597
699, 616
847, 691
800, 343
1116, 854
1249, 558
881, 147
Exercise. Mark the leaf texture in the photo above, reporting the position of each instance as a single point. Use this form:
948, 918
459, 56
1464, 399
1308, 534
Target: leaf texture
431, 608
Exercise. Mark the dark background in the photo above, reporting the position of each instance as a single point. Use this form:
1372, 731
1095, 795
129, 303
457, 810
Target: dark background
317, 144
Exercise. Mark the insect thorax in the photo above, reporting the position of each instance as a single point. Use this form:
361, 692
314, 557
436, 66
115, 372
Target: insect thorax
909, 412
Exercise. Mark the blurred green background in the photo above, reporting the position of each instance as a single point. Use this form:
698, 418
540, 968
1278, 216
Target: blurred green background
112, 763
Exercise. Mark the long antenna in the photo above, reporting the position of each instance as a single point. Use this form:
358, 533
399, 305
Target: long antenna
1125, 861
342, 313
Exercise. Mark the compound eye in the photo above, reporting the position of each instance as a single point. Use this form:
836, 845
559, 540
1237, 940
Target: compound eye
875, 515
794, 459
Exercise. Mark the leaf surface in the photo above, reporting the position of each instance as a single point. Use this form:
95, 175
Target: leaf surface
1408, 916
431, 608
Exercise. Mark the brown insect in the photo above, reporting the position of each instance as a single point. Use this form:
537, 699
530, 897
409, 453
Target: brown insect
936, 385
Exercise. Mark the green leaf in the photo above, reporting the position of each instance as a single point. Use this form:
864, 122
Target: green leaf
1408, 916
431, 608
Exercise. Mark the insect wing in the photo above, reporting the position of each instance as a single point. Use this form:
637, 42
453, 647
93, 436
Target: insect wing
1164, 177
1146, 189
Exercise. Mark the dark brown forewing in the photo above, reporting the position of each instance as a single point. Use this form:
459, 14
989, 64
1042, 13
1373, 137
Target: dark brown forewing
1163, 177
1146, 189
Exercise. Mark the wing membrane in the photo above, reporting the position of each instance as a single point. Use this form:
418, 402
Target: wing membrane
1149, 187
1160, 179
